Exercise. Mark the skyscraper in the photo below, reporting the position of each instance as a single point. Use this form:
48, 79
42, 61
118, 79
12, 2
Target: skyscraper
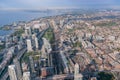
31, 64
27, 31
29, 45
18, 68
76, 69
77, 75
36, 42
12, 72
26, 76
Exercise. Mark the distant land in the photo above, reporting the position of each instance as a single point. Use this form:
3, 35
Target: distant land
10, 16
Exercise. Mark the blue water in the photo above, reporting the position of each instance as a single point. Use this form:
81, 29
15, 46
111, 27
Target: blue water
3, 32
8, 17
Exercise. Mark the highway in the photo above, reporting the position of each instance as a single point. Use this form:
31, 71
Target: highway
40, 34
55, 54
21, 53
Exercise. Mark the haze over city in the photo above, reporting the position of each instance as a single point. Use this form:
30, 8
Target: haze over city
59, 40
48, 4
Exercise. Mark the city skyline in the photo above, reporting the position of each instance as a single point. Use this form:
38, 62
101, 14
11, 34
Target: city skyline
60, 44
54, 4
59, 40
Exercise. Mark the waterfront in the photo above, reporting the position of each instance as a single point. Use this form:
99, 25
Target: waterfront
63, 45
9, 17
5, 32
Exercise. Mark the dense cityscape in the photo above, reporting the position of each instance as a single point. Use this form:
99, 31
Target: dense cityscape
84, 46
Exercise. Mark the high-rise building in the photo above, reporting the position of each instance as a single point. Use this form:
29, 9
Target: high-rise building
26, 76
50, 61
27, 30
29, 45
47, 45
76, 69
93, 78
47, 71
12, 72
18, 68
77, 75
31, 64
36, 42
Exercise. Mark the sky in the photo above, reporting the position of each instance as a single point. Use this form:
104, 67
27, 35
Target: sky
41, 4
